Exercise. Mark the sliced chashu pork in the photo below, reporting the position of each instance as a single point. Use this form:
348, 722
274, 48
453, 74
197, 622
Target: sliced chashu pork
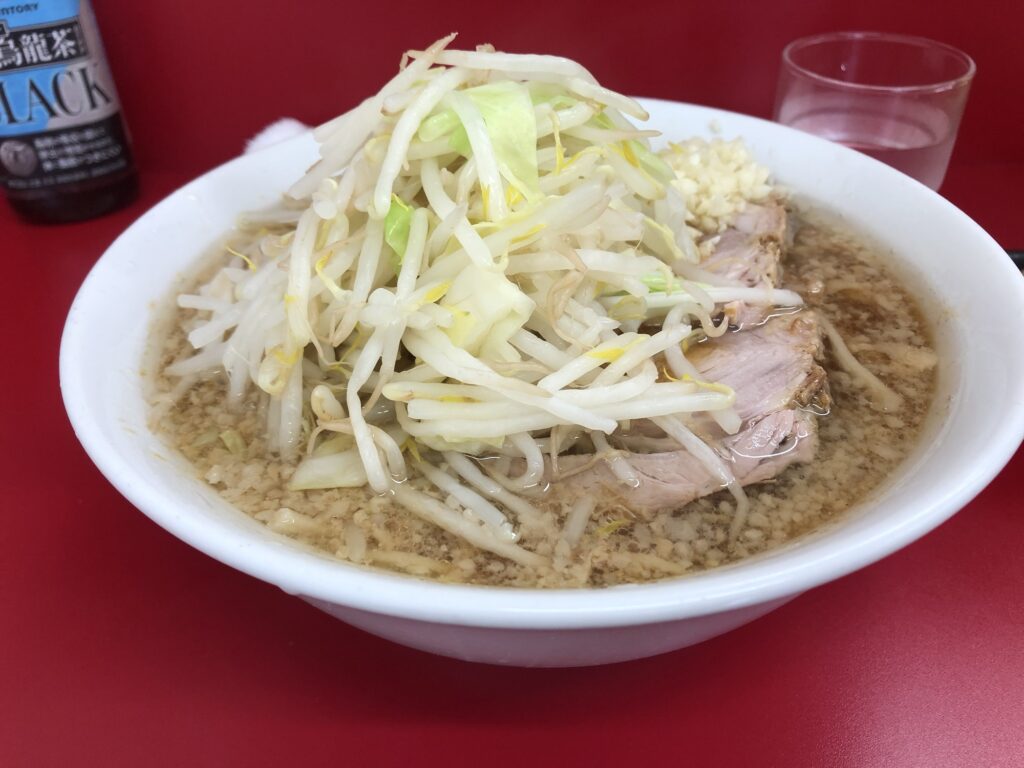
671, 479
749, 250
748, 253
770, 367
771, 364
773, 370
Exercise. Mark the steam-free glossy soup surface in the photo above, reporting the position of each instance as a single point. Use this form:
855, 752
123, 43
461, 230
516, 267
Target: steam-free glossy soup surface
842, 276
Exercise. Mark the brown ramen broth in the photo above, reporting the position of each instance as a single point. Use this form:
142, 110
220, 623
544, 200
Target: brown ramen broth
839, 275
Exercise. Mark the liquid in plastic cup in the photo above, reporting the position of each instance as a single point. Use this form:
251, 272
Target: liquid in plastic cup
894, 97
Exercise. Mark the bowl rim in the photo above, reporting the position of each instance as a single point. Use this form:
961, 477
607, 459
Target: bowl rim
745, 583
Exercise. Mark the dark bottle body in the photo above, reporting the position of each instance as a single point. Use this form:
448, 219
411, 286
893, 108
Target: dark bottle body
65, 153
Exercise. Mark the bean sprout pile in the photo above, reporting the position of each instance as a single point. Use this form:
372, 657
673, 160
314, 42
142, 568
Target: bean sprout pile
487, 266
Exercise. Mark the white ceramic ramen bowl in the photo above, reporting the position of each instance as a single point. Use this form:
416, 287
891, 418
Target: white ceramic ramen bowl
965, 281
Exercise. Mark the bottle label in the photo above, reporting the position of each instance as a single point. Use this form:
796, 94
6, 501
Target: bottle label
60, 120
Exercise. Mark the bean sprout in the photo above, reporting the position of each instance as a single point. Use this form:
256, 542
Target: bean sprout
487, 260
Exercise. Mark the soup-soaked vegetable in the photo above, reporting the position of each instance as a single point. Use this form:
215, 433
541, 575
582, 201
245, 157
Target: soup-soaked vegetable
840, 275
492, 335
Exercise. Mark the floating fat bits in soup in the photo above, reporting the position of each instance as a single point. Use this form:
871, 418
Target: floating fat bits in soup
841, 275
491, 336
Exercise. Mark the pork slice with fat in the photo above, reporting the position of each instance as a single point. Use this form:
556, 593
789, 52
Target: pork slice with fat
748, 252
671, 479
769, 366
773, 370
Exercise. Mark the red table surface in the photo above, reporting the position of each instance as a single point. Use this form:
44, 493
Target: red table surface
122, 646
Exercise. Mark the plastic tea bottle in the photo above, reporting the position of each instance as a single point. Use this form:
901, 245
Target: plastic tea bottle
64, 148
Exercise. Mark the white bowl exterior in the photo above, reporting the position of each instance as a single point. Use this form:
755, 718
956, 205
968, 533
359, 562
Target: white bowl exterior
549, 647
939, 247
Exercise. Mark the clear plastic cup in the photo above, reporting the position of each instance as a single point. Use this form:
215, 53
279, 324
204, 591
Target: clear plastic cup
894, 97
